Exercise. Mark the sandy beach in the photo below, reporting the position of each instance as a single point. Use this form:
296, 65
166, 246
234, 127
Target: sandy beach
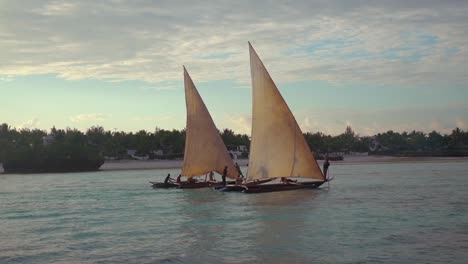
348, 160
114, 165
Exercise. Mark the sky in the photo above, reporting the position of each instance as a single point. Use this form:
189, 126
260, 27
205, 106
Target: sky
374, 65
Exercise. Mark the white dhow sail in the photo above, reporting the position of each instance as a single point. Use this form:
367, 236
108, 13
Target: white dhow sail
204, 149
277, 148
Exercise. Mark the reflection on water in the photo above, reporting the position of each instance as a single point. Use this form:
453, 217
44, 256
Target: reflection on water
400, 213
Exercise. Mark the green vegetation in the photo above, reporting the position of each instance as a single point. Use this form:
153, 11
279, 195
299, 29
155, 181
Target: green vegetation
28, 151
61, 149
414, 143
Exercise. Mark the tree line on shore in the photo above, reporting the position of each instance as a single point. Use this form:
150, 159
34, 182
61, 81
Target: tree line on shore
96, 142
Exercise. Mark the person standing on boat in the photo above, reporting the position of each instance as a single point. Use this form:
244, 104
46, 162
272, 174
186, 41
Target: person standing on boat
211, 179
168, 179
239, 170
224, 174
326, 164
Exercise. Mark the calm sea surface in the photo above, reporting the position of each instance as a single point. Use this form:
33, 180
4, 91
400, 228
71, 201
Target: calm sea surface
372, 213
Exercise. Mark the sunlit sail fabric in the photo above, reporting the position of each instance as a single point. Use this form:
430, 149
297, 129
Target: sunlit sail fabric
277, 148
204, 149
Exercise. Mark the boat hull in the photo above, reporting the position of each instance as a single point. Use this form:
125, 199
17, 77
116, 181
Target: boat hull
163, 185
197, 185
261, 188
231, 188
194, 185
281, 187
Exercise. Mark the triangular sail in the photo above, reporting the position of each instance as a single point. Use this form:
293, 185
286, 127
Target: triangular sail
277, 148
204, 149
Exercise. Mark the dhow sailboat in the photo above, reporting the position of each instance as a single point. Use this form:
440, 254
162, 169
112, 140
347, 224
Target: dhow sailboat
205, 151
278, 149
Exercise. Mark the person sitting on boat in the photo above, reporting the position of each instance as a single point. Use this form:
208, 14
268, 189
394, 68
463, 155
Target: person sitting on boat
239, 180
287, 180
168, 179
192, 180
224, 174
211, 179
239, 170
326, 164
178, 178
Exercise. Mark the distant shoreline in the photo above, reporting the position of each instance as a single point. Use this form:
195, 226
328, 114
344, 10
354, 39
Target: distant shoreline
124, 165
348, 160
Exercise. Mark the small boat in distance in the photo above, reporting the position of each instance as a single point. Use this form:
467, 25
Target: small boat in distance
277, 149
205, 150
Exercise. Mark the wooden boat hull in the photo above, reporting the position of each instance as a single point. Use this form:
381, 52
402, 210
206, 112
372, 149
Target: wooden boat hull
197, 185
194, 185
261, 188
164, 185
230, 188
281, 187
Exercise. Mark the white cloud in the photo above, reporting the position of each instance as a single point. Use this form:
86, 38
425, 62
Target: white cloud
6, 78
161, 88
460, 123
146, 119
88, 117
365, 122
56, 8
162, 117
338, 41
308, 126
29, 124
240, 123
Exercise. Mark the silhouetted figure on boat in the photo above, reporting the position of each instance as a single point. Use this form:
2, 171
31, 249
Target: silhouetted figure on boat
178, 179
287, 181
191, 180
326, 164
224, 174
239, 170
168, 179
239, 180
211, 176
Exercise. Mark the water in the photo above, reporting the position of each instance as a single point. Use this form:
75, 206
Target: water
387, 213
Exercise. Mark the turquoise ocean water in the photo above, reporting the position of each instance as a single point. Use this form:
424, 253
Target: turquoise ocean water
372, 213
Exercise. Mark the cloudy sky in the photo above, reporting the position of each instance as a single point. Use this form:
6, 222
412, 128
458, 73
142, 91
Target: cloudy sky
374, 65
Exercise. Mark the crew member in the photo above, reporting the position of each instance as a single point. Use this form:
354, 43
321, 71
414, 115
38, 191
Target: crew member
168, 179
239, 180
192, 180
239, 170
211, 176
326, 164
224, 174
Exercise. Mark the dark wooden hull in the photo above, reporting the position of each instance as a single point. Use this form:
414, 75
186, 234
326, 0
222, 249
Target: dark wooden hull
197, 185
164, 185
262, 188
194, 185
231, 188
